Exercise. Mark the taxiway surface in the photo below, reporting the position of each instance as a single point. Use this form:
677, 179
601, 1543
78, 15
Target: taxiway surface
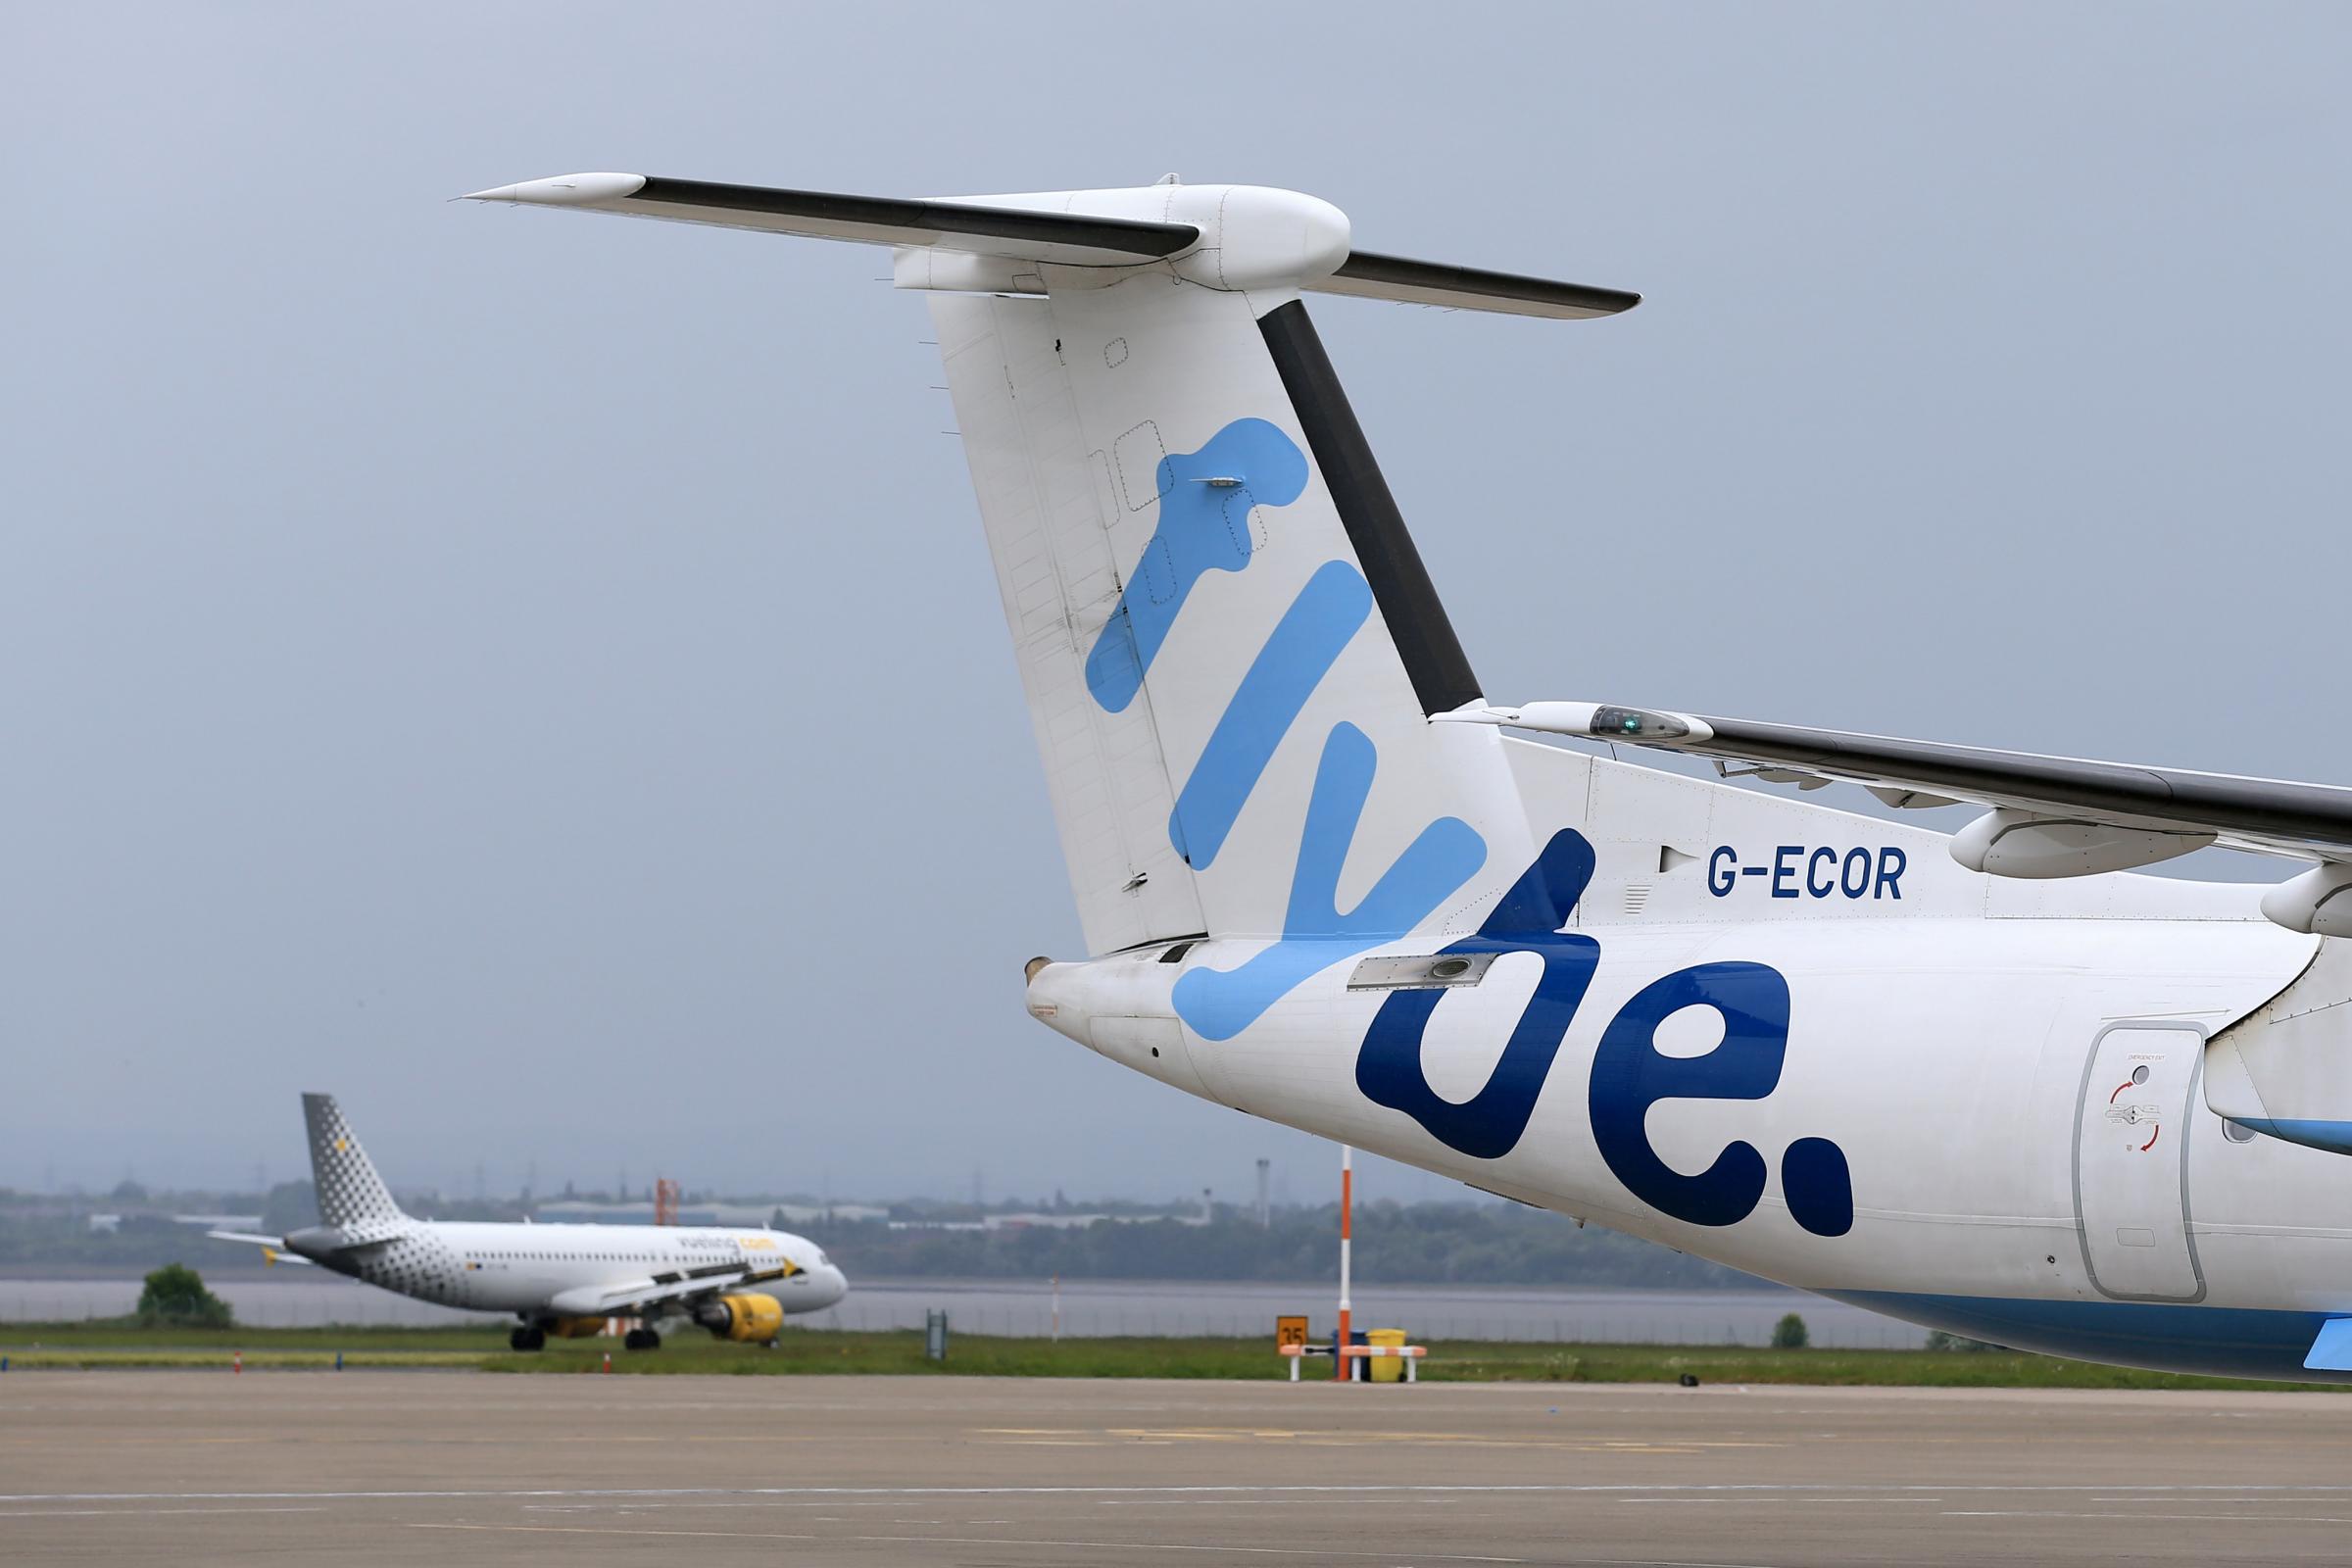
206, 1467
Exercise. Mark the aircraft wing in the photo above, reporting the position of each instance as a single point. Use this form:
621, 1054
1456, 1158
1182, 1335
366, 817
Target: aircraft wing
2051, 816
274, 1248
629, 1297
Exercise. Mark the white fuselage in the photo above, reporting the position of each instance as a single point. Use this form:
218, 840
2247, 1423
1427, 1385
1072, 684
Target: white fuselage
1977, 1105
1323, 891
527, 1269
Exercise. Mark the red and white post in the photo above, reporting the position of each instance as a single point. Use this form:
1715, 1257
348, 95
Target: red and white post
1346, 1362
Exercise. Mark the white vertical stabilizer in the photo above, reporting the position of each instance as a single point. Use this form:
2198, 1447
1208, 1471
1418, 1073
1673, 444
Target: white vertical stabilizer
1050, 540
351, 1196
1204, 651
1229, 645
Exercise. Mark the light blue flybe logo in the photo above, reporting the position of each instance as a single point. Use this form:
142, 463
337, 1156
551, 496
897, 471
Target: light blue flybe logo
1206, 526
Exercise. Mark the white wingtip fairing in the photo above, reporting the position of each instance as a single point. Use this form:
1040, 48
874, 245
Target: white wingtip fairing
563, 191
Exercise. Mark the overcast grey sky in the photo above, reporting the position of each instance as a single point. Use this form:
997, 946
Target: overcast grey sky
541, 677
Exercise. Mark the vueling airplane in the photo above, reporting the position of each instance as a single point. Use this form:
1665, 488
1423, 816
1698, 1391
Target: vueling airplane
564, 1280
1991, 1081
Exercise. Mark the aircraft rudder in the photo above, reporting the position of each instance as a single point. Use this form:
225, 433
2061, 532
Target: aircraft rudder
350, 1194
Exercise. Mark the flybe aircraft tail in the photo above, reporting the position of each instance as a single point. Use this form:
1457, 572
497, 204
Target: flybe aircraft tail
1228, 642
1230, 647
351, 1196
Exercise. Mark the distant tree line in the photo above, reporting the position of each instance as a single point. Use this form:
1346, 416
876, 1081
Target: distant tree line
54, 1233
1427, 1244
55, 1243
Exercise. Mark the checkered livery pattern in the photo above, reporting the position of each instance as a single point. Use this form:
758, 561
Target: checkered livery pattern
419, 1264
351, 1195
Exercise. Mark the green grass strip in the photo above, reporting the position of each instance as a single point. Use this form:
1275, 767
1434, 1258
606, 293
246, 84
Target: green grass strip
103, 1344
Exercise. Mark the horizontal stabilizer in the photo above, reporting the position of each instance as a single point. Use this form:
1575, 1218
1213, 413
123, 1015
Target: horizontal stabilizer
274, 1248
278, 1243
1235, 228
1018, 232
1470, 288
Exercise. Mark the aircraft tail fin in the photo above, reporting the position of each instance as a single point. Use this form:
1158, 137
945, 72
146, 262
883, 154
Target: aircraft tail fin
351, 1196
1229, 645
1228, 641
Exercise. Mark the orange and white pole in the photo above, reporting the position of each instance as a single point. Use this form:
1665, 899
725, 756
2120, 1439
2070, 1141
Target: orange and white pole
1346, 1362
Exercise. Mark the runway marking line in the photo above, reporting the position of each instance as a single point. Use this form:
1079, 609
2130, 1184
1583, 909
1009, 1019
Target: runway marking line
1093, 1545
140, 1513
1340, 1438
1805, 1488
1810, 1502
974, 1540
1481, 1440
1194, 1503
1052, 1442
2232, 1518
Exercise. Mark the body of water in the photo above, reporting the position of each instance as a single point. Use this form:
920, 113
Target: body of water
1024, 1308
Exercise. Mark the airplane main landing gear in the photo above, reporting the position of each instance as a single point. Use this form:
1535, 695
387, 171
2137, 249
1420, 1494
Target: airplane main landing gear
641, 1339
529, 1338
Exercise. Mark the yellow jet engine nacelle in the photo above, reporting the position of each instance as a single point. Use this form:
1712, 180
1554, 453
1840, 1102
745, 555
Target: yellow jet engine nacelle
742, 1317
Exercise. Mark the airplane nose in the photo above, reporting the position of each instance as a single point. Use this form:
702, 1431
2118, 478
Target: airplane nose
837, 1284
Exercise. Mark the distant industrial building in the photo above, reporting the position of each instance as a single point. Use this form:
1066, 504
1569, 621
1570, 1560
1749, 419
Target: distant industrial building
1046, 1221
112, 1224
587, 1211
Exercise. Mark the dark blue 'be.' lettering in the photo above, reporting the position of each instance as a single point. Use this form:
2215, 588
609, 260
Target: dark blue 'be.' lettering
1629, 1075
1488, 1124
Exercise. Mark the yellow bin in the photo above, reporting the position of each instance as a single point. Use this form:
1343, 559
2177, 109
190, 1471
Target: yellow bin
1386, 1368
